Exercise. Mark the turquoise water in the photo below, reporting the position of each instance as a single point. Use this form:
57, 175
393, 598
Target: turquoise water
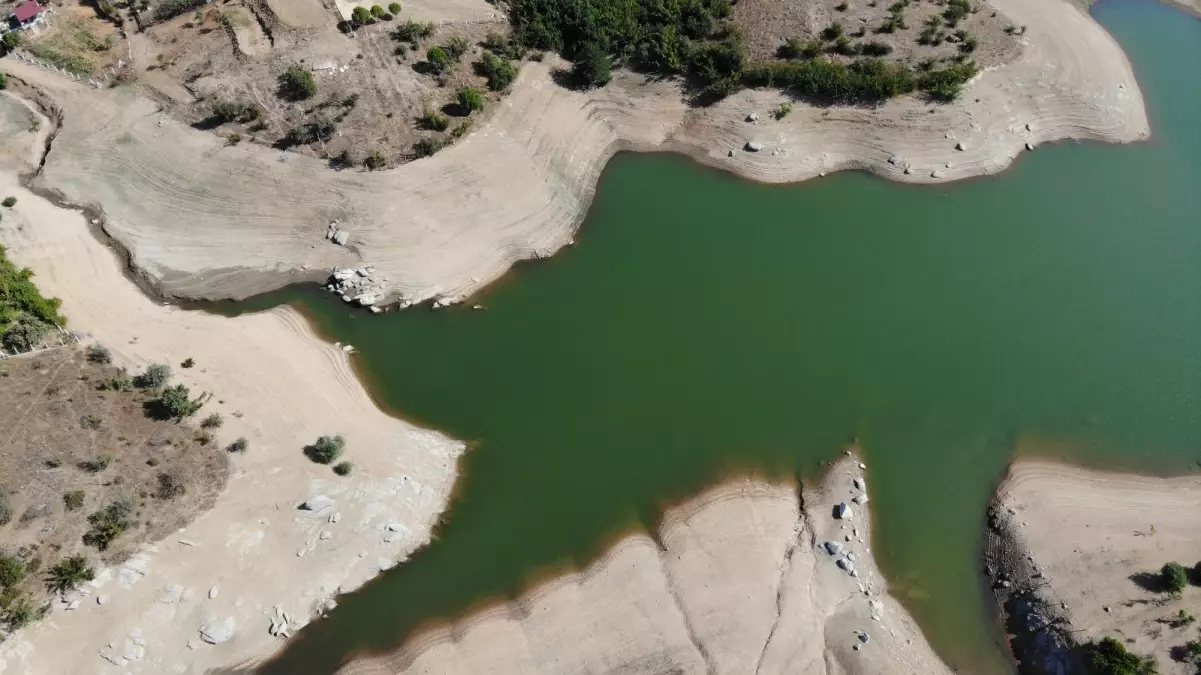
705, 325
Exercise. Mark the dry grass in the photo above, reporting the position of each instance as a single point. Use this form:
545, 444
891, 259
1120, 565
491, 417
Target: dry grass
77, 40
55, 419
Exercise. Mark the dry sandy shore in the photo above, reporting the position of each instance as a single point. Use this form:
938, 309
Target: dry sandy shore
280, 387
737, 580
203, 219
1089, 535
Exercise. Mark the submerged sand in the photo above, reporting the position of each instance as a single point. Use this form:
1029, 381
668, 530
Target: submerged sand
736, 580
203, 219
1084, 548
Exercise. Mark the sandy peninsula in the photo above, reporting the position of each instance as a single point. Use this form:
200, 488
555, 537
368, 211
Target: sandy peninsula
205, 219
254, 555
739, 579
1076, 553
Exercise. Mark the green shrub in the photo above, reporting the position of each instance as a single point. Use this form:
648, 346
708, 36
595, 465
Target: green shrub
438, 58
156, 375
169, 9
412, 31
297, 83
98, 353
394, 8
470, 98
875, 49
782, 111
239, 445
25, 334
4, 77
433, 120
500, 72
12, 571
326, 450
592, 67
457, 46
360, 15
841, 7
6, 510
343, 468
73, 500
1174, 577
833, 31
234, 111
1110, 657
96, 465
68, 574
375, 160
461, 129
426, 147
175, 402
18, 614
107, 524
956, 11
188, 363
10, 41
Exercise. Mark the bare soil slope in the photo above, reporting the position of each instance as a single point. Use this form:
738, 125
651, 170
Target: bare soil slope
1085, 548
738, 580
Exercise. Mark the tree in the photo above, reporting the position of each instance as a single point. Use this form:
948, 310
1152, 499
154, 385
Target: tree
592, 68
1174, 578
377, 11
470, 98
438, 59
297, 83
156, 375
326, 450
360, 15
12, 571
10, 41
1110, 657
176, 402
69, 573
394, 8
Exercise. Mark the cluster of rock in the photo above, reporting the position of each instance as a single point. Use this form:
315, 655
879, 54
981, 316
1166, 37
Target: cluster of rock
356, 286
131, 649
844, 558
337, 235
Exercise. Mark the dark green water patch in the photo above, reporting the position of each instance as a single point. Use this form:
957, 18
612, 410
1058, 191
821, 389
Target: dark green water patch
705, 325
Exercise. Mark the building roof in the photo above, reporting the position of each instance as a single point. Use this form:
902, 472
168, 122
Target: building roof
27, 11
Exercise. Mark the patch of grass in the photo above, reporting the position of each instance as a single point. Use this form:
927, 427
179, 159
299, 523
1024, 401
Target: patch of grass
213, 421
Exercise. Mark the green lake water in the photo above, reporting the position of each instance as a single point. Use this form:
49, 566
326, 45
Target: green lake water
704, 325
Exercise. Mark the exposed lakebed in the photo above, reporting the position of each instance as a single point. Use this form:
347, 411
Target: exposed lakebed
705, 325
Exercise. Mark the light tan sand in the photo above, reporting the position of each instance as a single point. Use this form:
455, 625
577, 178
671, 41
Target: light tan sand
206, 220
1089, 532
279, 386
737, 582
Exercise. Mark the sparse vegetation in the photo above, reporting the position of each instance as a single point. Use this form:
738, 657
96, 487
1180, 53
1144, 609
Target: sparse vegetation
239, 445
12, 571
782, 111
326, 450
169, 9
956, 11
68, 574
17, 612
1110, 657
412, 31
297, 83
457, 46
25, 316
97, 464
343, 468
10, 41
170, 486
188, 363
833, 31
213, 421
